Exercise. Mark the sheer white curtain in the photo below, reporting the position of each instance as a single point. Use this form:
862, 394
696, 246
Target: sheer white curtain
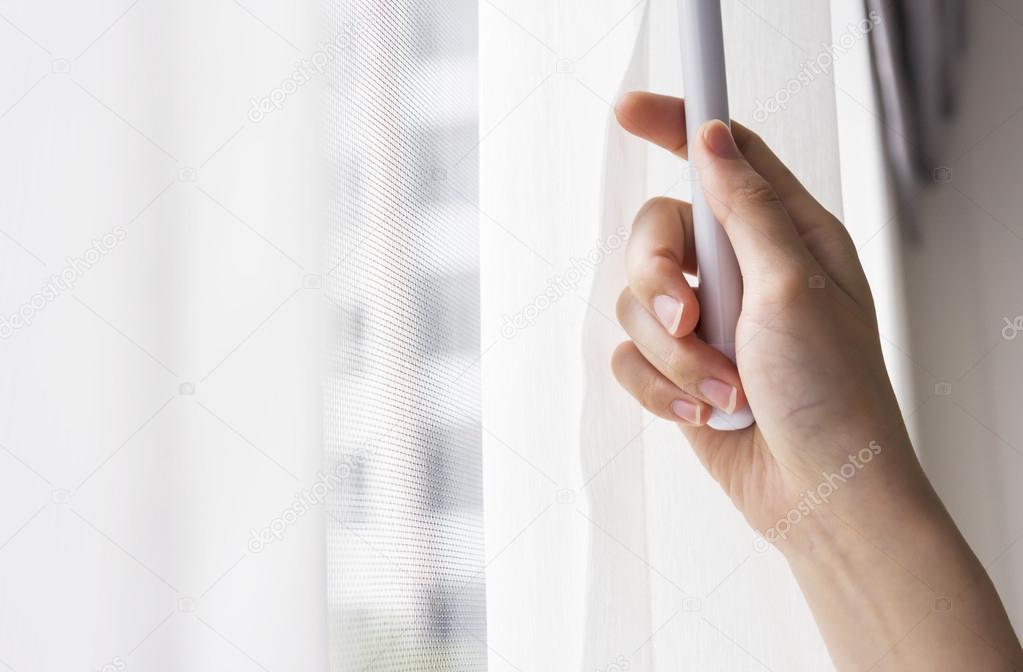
608, 548
163, 290
159, 368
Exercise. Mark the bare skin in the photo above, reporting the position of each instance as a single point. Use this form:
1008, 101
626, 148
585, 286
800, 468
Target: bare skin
827, 473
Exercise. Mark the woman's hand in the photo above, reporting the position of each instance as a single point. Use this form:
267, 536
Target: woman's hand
827, 472
808, 351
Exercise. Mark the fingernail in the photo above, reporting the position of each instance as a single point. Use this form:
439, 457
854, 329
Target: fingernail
669, 312
719, 139
686, 410
720, 394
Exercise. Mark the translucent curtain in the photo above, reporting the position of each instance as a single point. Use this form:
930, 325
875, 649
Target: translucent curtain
608, 548
161, 292
404, 528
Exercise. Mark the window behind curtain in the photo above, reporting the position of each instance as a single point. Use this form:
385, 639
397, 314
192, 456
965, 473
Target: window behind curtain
405, 535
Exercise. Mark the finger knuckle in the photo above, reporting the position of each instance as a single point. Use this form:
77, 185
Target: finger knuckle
662, 264
622, 305
652, 395
655, 205
754, 189
620, 357
658, 272
676, 360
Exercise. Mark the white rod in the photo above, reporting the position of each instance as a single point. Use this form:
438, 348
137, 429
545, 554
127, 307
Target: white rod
706, 91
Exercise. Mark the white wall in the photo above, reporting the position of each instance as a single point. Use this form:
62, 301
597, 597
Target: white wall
963, 276
945, 267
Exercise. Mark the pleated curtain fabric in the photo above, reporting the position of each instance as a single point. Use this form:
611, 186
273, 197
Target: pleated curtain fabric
919, 47
608, 547
189, 482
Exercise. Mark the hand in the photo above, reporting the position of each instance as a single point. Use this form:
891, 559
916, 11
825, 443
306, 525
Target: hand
808, 351
827, 472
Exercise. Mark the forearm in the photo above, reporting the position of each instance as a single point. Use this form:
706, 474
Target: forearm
895, 587
826, 472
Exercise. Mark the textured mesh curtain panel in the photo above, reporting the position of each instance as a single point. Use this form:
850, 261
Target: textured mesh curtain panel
405, 534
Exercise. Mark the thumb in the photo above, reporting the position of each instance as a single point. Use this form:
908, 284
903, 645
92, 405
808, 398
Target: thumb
765, 240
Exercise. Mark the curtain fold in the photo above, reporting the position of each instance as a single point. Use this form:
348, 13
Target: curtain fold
164, 297
609, 548
918, 47
619, 582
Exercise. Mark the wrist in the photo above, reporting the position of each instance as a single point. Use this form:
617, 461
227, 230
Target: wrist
872, 497
891, 582
917, 536
892, 512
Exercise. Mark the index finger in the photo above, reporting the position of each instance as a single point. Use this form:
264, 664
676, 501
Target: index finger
662, 120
